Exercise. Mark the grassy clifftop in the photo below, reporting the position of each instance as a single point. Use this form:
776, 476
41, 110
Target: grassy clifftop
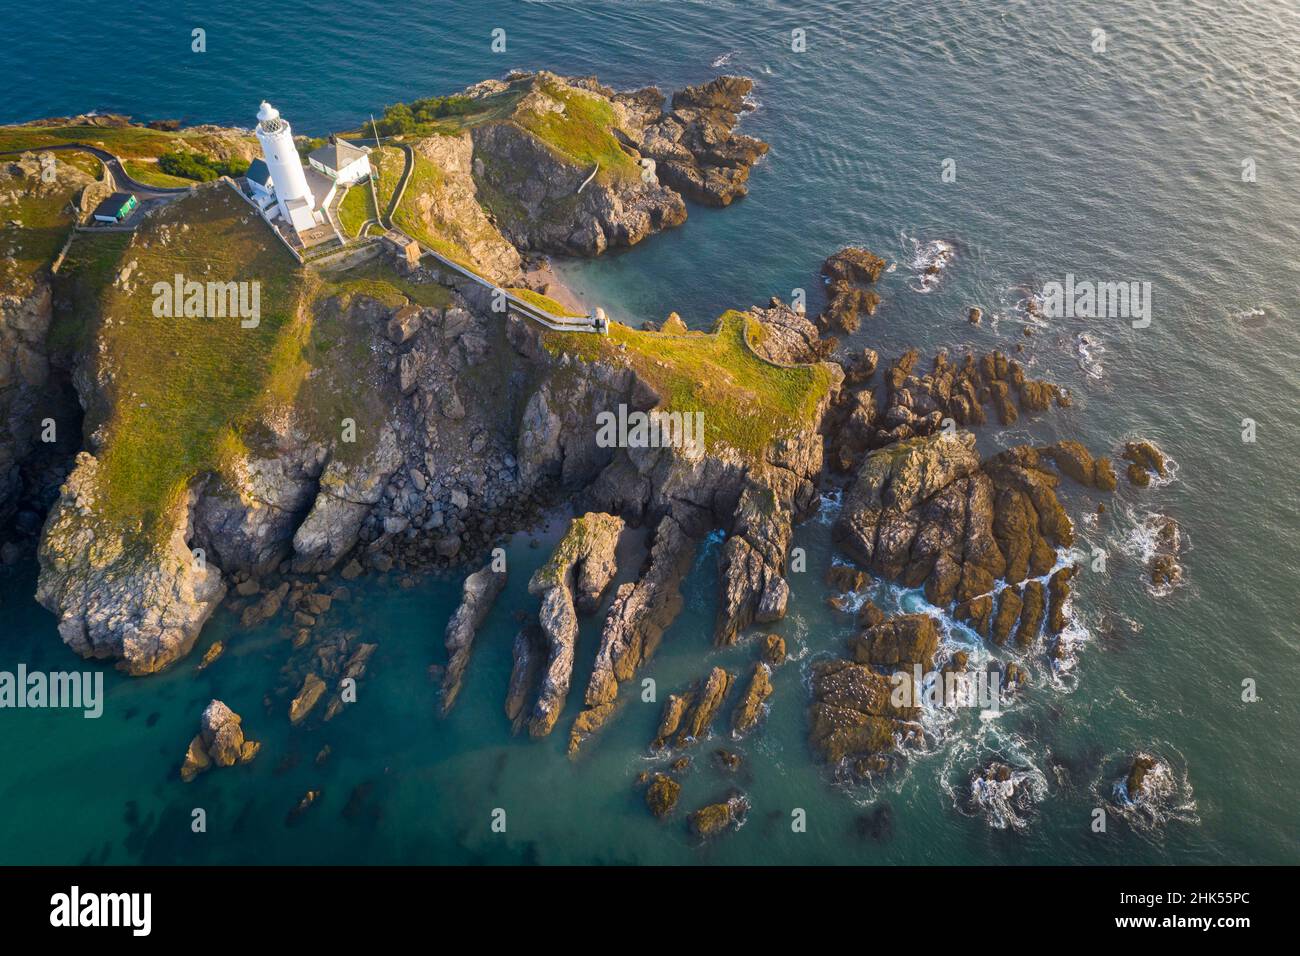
748, 402
129, 142
181, 389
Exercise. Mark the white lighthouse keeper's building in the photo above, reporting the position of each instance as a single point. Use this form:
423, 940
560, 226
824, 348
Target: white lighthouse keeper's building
292, 194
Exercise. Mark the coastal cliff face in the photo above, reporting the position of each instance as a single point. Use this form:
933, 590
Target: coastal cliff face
574, 167
40, 198
340, 431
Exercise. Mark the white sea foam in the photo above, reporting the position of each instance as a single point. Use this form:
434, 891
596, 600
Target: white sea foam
922, 258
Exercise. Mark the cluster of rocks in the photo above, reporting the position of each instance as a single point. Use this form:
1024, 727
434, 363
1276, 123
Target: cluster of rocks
542, 208
850, 275
927, 512
634, 624
220, 742
919, 404
1145, 460
694, 144
571, 582
687, 716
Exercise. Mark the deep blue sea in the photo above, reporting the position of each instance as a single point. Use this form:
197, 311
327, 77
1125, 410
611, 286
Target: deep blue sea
1117, 165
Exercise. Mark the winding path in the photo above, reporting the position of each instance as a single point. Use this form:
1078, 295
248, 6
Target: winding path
116, 169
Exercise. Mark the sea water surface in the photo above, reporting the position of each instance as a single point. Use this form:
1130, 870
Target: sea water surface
1117, 165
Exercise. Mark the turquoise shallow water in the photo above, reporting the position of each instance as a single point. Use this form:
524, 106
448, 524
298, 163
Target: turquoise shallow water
1123, 165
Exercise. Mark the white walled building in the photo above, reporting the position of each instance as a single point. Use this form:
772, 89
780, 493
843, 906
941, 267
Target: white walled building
341, 162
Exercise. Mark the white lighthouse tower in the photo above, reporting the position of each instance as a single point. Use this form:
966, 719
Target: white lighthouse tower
292, 194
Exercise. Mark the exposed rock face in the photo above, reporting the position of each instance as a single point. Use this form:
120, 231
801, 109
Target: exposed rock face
917, 405
694, 146
927, 512
583, 560
541, 207
348, 491
35, 184
662, 794
637, 619
899, 643
686, 717
220, 742
789, 337
745, 717
477, 597
116, 596
853, 715
715, 818
451, 209
848, 274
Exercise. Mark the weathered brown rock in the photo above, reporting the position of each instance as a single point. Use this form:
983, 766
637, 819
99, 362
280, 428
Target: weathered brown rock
478, 594
662, 794
745, 717
686, 717
584, 559
220, 742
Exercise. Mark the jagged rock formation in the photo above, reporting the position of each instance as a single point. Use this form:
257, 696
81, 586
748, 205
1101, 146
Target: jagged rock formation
39, 195
1144, 459
787, 337
856, 713
927, 511
694, 145
637, 618
530, 177
917, 405
117, 597
1072, 459
450, 208
220, 742
849, 273
745, 717
715, 818
313, 688
687, 716
583, 562
478, 595
662, 795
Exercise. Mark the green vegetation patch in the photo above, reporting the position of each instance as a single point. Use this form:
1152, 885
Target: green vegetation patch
36, 218
582, 132
186, 389
126, 142
200, 168
151, 174
355, 209
545, 302
747, 401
